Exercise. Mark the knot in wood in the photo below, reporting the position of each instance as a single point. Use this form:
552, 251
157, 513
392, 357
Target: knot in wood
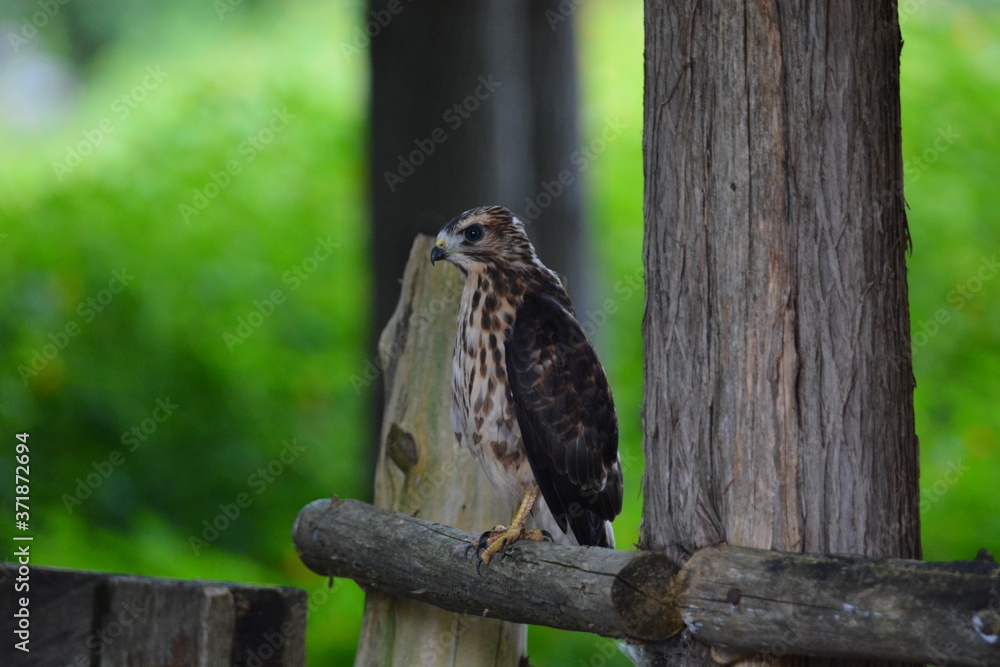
402, 448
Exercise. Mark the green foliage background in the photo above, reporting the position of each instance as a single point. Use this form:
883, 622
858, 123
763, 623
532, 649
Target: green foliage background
299, 376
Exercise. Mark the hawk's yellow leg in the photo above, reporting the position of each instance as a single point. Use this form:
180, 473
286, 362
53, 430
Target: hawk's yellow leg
501, 536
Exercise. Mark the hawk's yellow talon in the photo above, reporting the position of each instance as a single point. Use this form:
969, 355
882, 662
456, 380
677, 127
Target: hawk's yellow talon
493, 541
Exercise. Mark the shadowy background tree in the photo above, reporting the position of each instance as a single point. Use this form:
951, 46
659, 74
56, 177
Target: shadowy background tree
252, 312
473, 103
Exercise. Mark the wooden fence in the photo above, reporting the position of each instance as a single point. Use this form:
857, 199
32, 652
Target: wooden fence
96, 619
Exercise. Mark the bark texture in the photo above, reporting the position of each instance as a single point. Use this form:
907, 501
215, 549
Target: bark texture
773, 604
778, 377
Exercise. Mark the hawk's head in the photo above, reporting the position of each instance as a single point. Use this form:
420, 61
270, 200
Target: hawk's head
483, 237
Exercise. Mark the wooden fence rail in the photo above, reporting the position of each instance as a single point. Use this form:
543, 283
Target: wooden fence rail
741, 601
97, 619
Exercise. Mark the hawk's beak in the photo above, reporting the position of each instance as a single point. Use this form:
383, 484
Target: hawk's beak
438, 253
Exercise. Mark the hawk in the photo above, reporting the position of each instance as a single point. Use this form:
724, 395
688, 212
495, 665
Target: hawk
530, 399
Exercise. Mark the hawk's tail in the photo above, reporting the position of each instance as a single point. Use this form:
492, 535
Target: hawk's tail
592, 530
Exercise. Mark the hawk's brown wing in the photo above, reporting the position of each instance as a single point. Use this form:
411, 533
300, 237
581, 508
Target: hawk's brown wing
567, 417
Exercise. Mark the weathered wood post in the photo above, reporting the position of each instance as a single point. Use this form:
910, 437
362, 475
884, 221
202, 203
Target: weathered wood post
778, 378
422, 472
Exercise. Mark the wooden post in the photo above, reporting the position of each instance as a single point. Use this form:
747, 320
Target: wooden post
778, 380
422, 472
96, 619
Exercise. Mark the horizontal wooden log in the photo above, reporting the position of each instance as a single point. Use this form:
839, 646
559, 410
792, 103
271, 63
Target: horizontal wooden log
612, 593
774, 603
741, 601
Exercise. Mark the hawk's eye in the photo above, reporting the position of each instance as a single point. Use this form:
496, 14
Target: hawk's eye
473, 233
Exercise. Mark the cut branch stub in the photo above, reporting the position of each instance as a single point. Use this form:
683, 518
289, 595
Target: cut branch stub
644, 594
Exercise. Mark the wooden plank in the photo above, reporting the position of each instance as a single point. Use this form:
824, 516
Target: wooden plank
61, 613
270, 628
81, 618
151, 623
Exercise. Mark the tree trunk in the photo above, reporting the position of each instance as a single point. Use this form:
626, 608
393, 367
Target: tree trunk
778, 386
553, 207
492, 85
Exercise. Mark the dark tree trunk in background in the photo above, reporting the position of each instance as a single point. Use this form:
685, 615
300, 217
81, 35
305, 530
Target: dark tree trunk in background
509, 66
779, 409
473, 102
556, 222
